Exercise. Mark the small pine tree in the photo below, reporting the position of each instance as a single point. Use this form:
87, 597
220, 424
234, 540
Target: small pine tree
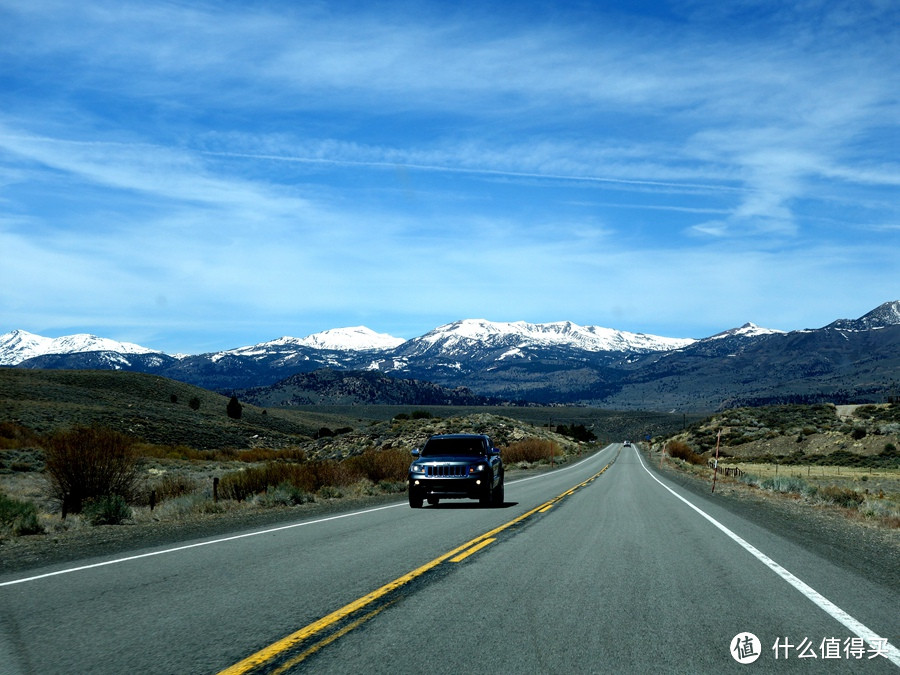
194, 403
234, 408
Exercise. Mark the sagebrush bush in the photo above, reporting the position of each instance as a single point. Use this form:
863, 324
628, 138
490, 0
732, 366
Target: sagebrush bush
107, 510
18, 517
87, 463
285, 494
839, 496
787, 484
530, 450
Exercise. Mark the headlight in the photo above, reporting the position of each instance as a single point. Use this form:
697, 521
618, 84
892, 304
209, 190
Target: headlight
478, 468
417, 468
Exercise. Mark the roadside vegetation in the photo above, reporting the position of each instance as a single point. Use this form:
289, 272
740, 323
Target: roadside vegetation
842, 457
93, 475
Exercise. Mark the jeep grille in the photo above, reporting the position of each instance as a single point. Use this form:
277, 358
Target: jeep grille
449, 470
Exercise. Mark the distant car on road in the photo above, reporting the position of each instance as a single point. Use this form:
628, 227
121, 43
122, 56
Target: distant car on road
454, 466
627, 444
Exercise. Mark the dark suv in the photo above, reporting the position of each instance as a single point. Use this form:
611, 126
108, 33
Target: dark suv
452, 466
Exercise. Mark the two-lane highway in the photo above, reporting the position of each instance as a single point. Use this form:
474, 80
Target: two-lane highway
620, 574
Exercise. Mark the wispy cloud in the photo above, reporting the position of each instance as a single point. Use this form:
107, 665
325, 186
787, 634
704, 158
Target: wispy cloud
287, 164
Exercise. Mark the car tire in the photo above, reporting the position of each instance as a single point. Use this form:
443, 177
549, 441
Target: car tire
415, 499
487, 497
499, 497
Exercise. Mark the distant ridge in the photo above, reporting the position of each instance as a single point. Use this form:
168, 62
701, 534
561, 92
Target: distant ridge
846, 361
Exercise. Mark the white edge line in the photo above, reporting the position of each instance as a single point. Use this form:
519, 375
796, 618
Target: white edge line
198, 544
221, 540
888, 650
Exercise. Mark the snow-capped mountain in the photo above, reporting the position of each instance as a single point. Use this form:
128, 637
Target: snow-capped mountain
560, 362
353, 339
461, 336
19, 345
882, 316
747, 330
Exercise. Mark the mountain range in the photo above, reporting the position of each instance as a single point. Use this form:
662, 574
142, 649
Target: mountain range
848, 360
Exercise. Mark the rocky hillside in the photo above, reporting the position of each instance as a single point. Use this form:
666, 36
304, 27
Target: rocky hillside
356, 387
802, 434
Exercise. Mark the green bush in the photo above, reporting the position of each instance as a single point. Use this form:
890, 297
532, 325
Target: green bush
18, 517
87, 463
234, 409
285, 494
107, 510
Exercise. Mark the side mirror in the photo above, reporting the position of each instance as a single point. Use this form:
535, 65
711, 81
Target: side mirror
495, 451
415, 453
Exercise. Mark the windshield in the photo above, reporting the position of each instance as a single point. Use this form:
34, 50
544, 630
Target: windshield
460, 447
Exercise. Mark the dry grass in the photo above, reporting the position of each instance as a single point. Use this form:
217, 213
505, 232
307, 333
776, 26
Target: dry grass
872, 495
854, 478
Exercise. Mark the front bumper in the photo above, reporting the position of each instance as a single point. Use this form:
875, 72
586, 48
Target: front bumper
472, 487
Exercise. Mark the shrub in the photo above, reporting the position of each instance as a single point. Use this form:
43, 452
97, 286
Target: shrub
171, 486
577, 431
530, 450
234, 408
108, 510
681, 450
379, 465
90, 462
285, 494
858, 433
309, 477
787, 484
194, 403
847, 498
18, 517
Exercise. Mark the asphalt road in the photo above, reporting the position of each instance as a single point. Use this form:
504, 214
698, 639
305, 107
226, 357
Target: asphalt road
627, 572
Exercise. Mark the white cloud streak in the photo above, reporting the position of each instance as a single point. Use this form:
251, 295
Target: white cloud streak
193, 162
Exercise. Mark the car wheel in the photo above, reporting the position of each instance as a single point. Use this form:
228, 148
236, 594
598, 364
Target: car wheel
486, 497
499, 497
415, 499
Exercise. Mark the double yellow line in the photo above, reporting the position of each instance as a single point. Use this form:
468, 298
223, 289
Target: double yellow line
280, 648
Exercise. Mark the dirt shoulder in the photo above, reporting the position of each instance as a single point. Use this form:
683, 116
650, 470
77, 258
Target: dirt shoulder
830, 532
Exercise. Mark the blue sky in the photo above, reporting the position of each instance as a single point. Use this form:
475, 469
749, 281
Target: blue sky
195, 176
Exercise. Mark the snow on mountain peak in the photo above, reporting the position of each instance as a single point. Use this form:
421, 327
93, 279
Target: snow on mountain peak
560, 333
747, 330
356, 338
19, 345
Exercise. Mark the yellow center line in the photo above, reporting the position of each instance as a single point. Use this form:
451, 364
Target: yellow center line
266, 654
287, 665
477, 547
